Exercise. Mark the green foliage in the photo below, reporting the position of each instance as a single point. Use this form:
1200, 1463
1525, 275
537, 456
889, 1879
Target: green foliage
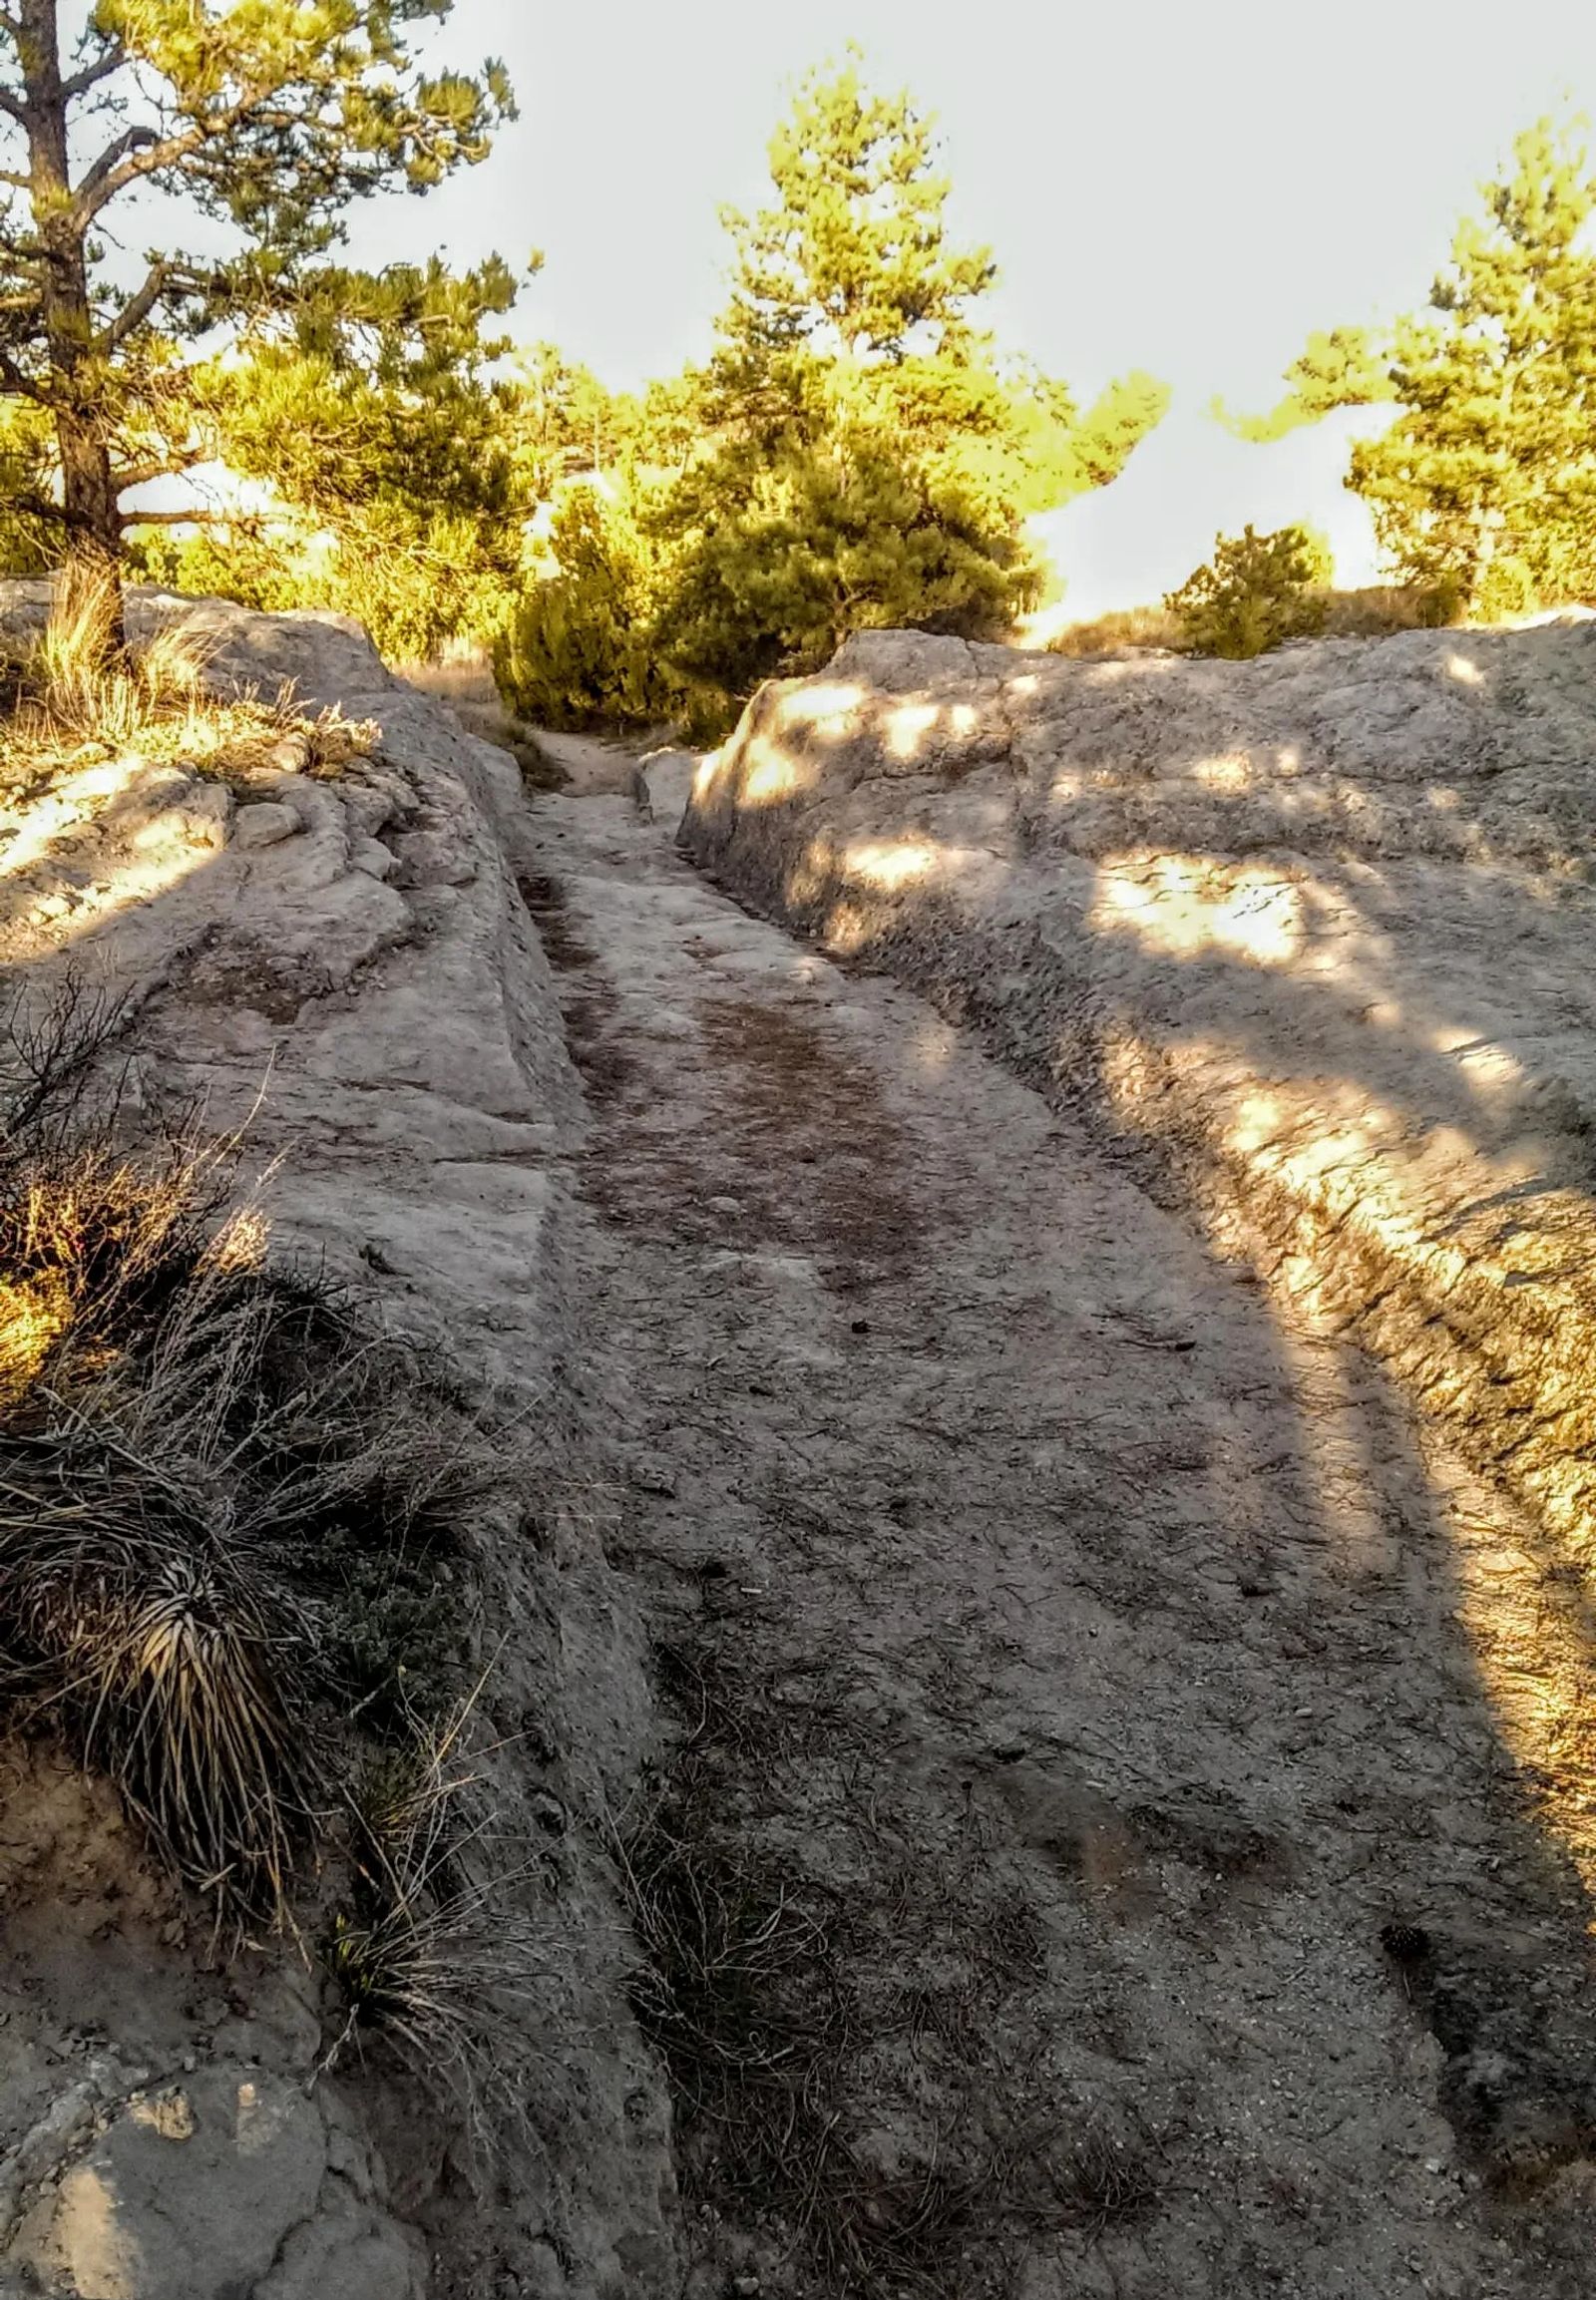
264, 122
566, 425
854, 255
1486, 481
27, 533
849, 517
855, 455
1483, 488
1345, 367
579, 648
387, 451
1254, 592
1113, 427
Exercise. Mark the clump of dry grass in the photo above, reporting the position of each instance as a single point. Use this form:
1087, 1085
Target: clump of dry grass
1139, 628
197, 1451
429, 1954
74, 694
1380, 610
464, 680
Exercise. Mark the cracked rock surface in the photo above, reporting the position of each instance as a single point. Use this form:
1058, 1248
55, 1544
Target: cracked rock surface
345, 970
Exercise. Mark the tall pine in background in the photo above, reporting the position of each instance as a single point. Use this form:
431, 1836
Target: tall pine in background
869, 459
1487, 480
1483, 487
855, 455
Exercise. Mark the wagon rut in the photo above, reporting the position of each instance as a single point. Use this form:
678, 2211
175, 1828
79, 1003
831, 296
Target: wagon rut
1088, 1860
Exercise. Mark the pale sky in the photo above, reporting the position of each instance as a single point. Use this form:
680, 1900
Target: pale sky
1187, 185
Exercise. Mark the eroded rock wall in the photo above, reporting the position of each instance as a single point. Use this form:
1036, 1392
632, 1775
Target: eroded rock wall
1311, 937
344, 969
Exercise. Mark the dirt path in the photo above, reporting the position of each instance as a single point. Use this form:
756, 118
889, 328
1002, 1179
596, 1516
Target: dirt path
1091, 1863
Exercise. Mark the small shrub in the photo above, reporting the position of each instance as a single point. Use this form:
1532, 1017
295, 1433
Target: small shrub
1257, 592
582, 648
577, 652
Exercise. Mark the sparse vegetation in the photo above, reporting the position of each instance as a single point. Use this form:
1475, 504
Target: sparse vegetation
1142, 629
191, 1443
425, 1952
1374, 612
463, 677
790, 2008
74, 694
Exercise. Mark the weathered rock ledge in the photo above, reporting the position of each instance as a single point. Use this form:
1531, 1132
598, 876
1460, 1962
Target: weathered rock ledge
1311, 936
345, 969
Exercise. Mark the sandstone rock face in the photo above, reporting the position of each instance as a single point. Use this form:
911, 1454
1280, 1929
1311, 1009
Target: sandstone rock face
266, 825
663, 785
1310, 936
231, 2180
345, 970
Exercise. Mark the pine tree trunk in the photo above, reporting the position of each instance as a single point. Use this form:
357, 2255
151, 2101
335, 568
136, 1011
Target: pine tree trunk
93, 564
89, 494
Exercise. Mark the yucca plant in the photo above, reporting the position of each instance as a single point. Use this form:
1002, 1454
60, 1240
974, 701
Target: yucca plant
175, 1669
207, 1469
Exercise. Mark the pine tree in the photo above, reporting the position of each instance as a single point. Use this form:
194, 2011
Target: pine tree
854, 256
1257, 592
1486, 481
856, 454
268, 117
1483, 489
385, 445
864, 457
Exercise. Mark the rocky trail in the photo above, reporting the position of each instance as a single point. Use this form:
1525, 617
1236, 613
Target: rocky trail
1089, 1861
1009, 1758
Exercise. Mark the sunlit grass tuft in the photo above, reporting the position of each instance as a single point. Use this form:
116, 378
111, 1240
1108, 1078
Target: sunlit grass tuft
75, 694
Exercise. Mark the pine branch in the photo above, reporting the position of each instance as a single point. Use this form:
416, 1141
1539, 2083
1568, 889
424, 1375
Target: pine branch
139, 153
92, 73
14, 384
193, 514
138, 308
160, 467
38, 506
130, 141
